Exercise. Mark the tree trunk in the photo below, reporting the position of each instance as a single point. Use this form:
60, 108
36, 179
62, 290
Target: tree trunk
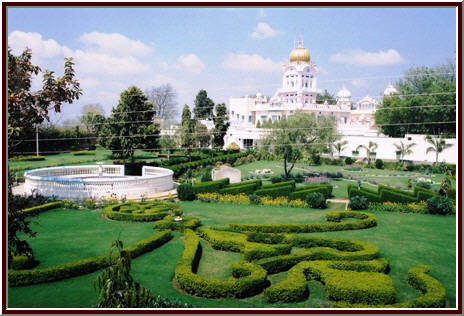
436, 158
285, 167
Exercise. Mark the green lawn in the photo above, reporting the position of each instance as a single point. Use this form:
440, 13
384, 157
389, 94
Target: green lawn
405, 239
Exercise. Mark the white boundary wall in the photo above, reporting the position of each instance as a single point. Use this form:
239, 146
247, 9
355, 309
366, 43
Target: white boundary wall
96, 181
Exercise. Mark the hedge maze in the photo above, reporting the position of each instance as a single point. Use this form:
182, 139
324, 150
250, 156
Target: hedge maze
352, 271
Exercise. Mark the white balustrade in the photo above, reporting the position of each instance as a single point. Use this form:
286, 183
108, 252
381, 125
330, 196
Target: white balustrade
83, 182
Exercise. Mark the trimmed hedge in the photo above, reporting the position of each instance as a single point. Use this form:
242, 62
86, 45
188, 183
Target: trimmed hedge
389, 194
84, 266
275, 192
359, 281
291, 183
27, 158
230, 241
302, 194
23, 262
42, 208
249, 279
210, 186
258, 183
169, 223
83, 153
433, 292
141, 212
245, 189
366, 220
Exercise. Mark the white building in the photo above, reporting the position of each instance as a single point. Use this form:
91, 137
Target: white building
355, 121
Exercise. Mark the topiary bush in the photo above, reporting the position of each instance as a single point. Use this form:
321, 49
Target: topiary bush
439, 205
349, 160
358, 203
185, 192
379, 164
255, 199
423, 184
316, 200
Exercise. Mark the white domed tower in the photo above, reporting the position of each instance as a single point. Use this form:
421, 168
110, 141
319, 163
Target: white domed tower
390, 90
344, 98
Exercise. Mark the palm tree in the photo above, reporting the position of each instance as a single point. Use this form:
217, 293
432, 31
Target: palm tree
438, 146
338, 147
404, 149
370, 148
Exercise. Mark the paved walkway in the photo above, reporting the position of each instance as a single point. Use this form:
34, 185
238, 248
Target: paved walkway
346, 202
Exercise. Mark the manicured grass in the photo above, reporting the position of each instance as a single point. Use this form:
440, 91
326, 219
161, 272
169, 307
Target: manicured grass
405, 239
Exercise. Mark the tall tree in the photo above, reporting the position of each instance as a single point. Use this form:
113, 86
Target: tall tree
164, 99
28, 108
204, 106
221, 124
168, 143
202, 135
130, 125
404, 149
290, 138
187, 128
438, 145
370, 149
93, 117
326, 96
425, 95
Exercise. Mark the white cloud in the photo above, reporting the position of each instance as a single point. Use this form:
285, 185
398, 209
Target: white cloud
358, 82
115, 44
360, 57
19, 41
191, 63
263, 31
261, 13
245, 62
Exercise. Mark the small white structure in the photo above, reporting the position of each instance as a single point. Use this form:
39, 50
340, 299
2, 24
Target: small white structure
97, 181
224, 171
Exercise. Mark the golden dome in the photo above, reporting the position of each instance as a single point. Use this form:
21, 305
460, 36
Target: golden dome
300, 54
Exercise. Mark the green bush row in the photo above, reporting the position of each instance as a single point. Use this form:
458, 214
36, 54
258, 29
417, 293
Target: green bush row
210, 186
302, 194
280, 184
27, 158
348, 280
42, 208
275, 192
320, 249
389, 194
23, 262
84, 266
433, 292
169, 223
236, 242
141, 212
245, 189
258, 183
181, 168
83, 153
365, 220
248, 278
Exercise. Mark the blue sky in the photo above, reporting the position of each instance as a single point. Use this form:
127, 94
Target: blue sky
229, 52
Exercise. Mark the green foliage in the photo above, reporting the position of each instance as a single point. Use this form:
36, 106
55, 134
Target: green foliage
431, 86
255, 199
27, 158
246, 189
221, 124
326, 96
349, 160
203, 106
83, 153
187, 128
211, 186
185, 192
365, 220
425, 185
439, 205
84, 266
438, 145
292, 137
389, 194
169, 223
316, 200
281, 190
28, 108
379, 163
23, 262
142, 211
249, 279
416, 207
358, 203
133, 116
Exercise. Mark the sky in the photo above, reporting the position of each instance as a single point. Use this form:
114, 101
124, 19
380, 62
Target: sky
229, 52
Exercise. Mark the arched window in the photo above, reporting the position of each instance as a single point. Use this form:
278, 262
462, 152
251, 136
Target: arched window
306, 85
293, 84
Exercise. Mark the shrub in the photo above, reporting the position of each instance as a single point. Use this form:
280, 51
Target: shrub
275, 192
254, 199
185, 192
416, 207
424, 184
27, 158
211, 186
276, 179
23, 262
316, 200
379, 163
42, 208
439, 205
141, 212
83, 153
169, 223
349, 160
358, 203
316, 159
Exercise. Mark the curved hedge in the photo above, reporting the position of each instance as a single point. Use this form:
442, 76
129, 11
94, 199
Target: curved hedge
84, 266
248, 278
169, 223
388, 194
142, 212
366, 220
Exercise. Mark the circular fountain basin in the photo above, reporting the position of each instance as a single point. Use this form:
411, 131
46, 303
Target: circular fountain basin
97, 181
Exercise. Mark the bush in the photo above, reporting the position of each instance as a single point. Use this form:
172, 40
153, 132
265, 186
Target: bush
275, 192
379, 164
23, 262
349, 160
83, 153
211, 186
358, 203
255, 199
141, 212
316, 200
423, 184
416, 207
316, 159
185, 192
439, 205
27, 158
246, 189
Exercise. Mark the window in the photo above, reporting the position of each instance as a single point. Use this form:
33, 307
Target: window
238, 116
249, 118
355, 153
307, 69
274, 117
232, 113
243, 117
306, 84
